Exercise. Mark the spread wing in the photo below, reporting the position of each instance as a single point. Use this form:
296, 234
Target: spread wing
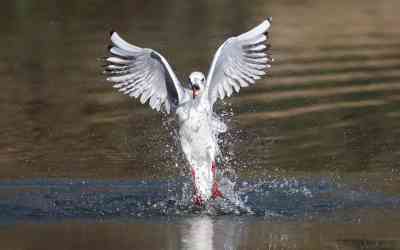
239, 62
142, 73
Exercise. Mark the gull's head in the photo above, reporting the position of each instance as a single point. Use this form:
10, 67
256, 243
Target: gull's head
197, 82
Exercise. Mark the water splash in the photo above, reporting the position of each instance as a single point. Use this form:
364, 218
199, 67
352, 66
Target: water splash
267, 198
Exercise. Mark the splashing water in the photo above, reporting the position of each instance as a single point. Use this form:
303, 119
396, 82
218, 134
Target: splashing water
224, 138
269, 197
278, 197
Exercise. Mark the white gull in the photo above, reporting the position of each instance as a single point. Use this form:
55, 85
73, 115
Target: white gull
144, 73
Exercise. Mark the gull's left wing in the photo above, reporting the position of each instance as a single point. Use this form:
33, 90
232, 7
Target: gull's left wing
239, 62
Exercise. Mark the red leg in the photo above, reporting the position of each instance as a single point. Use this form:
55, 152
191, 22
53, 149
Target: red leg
197, 200
215, 190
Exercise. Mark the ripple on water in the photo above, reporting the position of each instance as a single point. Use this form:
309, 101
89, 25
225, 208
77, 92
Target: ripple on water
282, 198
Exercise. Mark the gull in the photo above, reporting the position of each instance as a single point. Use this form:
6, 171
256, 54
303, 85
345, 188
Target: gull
145, 74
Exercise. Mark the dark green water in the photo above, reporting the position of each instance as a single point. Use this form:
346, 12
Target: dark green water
321, 132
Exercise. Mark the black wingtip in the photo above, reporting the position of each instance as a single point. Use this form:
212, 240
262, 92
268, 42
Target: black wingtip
112, 32
269, 19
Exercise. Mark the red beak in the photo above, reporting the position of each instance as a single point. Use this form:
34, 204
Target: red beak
195, 90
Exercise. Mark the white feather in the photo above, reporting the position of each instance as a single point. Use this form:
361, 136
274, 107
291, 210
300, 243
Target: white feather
238, 62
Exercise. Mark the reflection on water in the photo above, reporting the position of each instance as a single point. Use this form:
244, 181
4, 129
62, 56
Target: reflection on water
199, 234
329, 110
202, 233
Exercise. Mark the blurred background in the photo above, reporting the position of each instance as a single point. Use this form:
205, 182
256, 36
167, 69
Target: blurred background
328, 108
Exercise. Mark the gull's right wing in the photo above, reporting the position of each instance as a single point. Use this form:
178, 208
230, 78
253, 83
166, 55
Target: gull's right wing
143, 73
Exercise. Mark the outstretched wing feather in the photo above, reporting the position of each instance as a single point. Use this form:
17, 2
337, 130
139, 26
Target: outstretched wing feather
142, 73
239, 62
